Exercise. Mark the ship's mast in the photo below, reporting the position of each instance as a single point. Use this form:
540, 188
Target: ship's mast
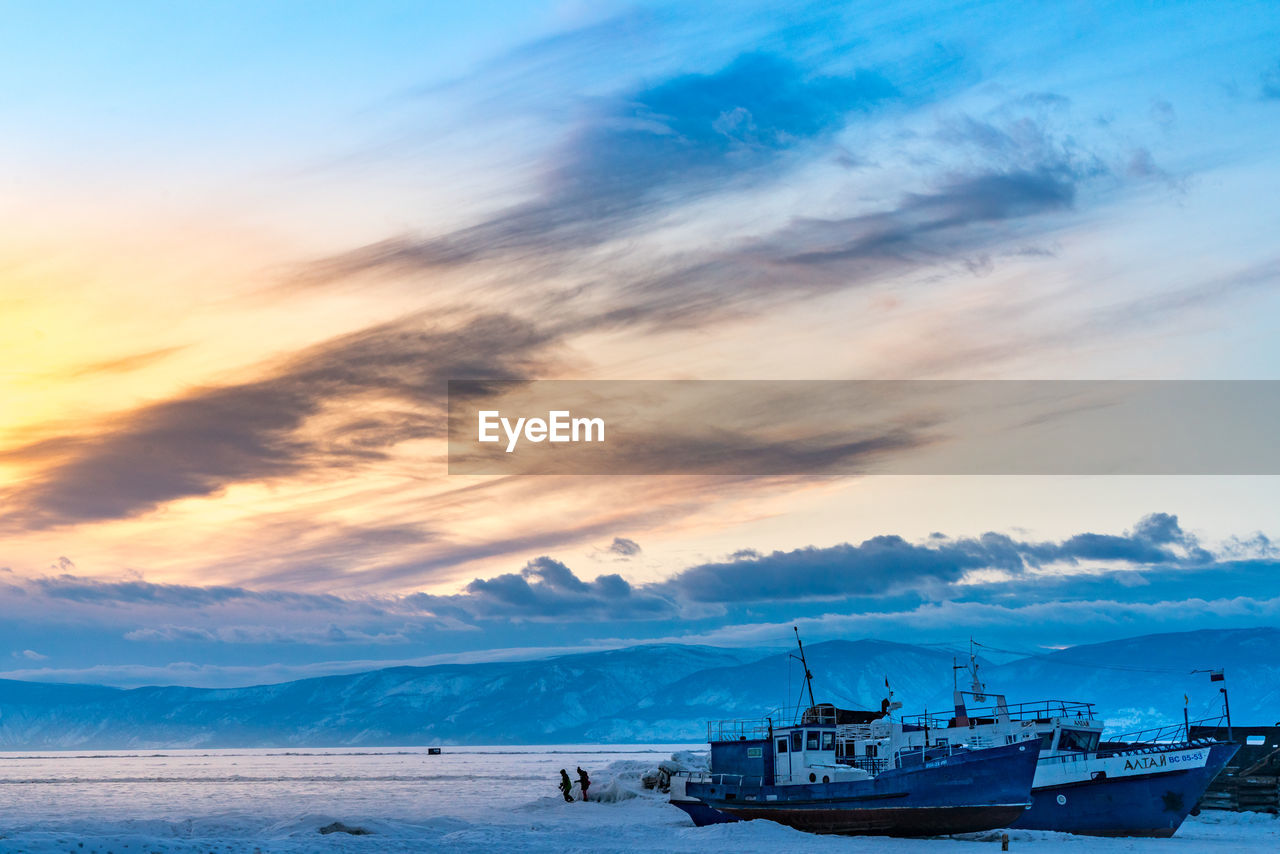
978, 687
808, 677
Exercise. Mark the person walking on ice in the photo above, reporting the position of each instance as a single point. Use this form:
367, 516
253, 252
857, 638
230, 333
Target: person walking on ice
584, 781
566, 788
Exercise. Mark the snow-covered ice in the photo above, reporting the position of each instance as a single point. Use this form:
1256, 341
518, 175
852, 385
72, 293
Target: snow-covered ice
466, 800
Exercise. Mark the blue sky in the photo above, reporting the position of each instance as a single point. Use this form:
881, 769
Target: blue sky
247, 246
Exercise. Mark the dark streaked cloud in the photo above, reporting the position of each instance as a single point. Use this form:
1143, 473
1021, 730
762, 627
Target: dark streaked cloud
326, 635
924, 223
811, 256
613, 175
651, 148
126, 594
199, 443
965, 216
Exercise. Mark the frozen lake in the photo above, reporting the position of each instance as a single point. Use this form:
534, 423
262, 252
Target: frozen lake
478, 799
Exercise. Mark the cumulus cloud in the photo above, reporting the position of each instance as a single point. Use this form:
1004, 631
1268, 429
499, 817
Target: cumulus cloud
882, 585
888, 564
882, 566
547, 589
876, 566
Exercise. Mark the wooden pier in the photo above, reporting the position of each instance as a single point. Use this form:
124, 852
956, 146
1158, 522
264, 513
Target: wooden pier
1251, 781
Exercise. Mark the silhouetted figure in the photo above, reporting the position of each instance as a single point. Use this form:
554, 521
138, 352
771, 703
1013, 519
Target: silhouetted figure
566, 788
584, 781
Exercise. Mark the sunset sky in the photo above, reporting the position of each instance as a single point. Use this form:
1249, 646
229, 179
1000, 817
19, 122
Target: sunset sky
247, 245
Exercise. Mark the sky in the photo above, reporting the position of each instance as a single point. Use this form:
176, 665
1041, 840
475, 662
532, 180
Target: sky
246, 246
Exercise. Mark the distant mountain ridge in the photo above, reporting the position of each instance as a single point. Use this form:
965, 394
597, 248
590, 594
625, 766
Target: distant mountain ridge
653, 693
1142, 681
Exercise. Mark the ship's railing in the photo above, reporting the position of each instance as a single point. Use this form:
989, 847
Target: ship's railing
873, 765
736, 729
1169, 733
1064, 758
747, 781
821, 714
1105, 752
742, 780
853, 732
756, 781
751, 729
909, 755
904, 756
1041, 710
974, 741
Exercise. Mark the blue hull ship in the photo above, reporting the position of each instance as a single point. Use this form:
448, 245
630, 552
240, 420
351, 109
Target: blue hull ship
1154, 803
963, 792
1138, 784
849, 772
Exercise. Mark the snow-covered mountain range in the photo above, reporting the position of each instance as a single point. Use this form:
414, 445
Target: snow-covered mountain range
662, 692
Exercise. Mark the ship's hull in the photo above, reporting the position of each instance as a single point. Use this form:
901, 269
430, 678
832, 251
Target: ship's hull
963, 793
864, 821
1149, 804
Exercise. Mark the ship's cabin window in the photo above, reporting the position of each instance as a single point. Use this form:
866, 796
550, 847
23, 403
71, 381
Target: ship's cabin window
811, 740
797, 741
941, 742
1078, 739
1255, 740
828, 741
782, 745
872, 749
1046, 740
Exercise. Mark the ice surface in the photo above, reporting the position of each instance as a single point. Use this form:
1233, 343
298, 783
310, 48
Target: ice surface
466, 800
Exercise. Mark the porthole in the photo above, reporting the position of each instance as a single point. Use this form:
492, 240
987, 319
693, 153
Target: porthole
1062, 799
826, 779
813, 778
